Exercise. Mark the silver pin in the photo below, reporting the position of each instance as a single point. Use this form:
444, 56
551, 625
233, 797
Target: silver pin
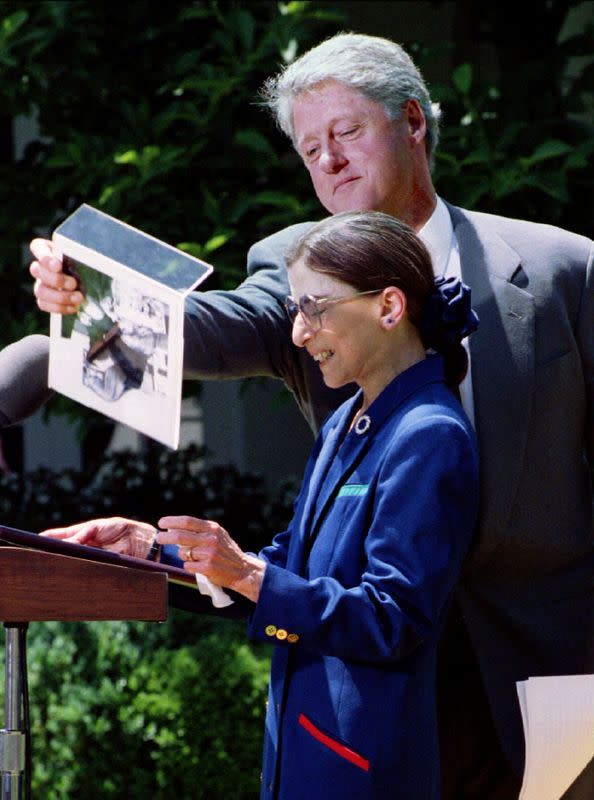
363, 424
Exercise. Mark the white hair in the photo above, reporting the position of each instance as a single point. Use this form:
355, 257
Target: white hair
378, 68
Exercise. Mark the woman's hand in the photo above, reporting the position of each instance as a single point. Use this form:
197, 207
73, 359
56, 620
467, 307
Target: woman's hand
125, 536
207, 548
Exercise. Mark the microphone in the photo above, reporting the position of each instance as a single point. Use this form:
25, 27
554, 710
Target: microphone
23, 378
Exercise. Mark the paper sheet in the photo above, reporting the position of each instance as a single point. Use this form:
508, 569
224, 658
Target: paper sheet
558, 717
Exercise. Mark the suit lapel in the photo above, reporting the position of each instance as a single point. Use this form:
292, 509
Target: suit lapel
502, 354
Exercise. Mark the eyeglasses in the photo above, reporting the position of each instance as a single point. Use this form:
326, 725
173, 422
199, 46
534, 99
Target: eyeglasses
313, 307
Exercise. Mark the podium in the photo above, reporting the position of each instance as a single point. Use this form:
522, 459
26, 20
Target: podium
45, 579
38, 586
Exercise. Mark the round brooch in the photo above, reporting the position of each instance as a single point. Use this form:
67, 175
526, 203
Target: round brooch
363, 424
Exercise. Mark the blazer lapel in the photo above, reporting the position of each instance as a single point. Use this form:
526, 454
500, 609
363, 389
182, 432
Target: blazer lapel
324, 475
502, 354
343, 451
340, 452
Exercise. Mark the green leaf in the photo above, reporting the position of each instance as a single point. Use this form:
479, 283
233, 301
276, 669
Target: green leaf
462, 78
255, 141
576, 160
127, 157
293, 7
279, 199
553, 185
552, 148
193, 248
112, 192
215, 242
507, 181
481, 155
246, 28
11, 24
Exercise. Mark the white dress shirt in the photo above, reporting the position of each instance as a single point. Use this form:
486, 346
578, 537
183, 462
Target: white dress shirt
439, 238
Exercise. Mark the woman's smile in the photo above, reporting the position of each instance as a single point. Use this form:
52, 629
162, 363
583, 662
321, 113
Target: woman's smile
322, 356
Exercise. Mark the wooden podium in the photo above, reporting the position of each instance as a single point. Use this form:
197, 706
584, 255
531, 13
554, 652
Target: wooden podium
43, 579
41, 586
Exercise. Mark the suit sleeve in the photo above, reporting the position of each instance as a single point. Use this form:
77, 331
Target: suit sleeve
278, 551
244, 332
586, 339
423, 517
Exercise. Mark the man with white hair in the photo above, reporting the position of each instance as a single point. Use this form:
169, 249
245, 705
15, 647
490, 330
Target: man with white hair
359, 114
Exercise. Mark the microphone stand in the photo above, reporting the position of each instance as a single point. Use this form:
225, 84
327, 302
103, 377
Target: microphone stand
14, 736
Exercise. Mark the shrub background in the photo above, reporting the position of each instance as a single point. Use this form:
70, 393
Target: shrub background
125, 710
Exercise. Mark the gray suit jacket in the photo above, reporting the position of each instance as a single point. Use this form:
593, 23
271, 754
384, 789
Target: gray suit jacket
527, 592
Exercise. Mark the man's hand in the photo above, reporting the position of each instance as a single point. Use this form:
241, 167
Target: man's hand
54, 290
120, 535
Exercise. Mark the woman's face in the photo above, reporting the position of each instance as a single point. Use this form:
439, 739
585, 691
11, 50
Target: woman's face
345, 340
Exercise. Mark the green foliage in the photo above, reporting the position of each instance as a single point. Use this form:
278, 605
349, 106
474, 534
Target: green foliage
147, 486
135, 710
150, 112
519, 142
124, 711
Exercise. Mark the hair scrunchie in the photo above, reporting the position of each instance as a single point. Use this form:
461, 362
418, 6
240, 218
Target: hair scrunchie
448, 316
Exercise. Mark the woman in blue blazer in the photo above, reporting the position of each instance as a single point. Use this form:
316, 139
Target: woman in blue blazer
354, 593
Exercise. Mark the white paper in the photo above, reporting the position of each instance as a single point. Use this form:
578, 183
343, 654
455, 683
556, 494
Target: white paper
220, 598
558, 718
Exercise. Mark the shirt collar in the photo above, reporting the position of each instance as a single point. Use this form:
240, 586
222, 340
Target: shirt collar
437, 235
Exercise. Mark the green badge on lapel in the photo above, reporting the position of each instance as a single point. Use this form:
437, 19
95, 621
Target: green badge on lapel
353, 489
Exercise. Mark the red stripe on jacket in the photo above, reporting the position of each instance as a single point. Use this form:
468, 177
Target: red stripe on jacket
332, 744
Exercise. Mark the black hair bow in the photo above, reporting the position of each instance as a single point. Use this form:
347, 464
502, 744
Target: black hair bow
448, 316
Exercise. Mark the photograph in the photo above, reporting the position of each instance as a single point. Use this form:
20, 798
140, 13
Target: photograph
122, 352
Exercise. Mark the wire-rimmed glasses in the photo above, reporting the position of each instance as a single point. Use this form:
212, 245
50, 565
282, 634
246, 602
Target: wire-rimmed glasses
312, 307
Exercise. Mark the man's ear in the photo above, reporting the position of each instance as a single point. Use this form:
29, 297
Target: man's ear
393, 307
417, 125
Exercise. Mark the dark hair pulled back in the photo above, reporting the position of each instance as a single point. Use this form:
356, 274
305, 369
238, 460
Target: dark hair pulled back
371, 250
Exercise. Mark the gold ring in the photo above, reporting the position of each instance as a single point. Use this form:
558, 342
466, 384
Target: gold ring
189, 554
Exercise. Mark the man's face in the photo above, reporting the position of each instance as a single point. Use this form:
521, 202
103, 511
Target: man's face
358, 159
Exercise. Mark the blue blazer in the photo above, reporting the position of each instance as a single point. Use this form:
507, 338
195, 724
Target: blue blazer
355, 593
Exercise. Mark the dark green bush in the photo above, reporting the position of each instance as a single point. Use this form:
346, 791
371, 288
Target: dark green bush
518, 118
150, 112
122, 710
135, 710
146, 487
